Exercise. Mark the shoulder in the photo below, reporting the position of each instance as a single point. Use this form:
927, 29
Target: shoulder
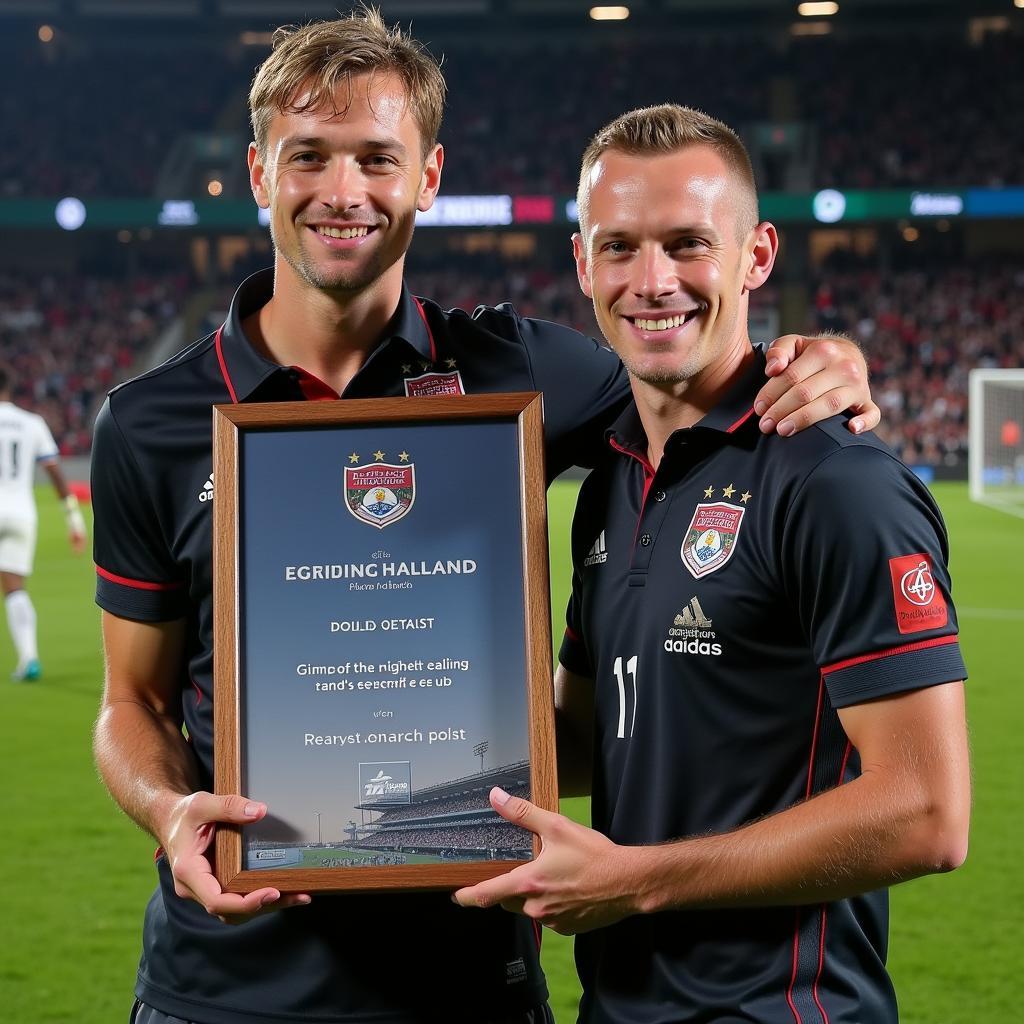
504, 321
847, 482
827, 450
182, 370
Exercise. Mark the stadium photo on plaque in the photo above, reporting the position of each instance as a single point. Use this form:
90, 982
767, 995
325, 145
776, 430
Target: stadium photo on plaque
383, 645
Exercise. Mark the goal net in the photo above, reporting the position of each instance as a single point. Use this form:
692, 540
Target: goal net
996, 442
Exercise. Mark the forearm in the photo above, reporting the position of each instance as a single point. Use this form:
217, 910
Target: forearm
145, 762
869, 833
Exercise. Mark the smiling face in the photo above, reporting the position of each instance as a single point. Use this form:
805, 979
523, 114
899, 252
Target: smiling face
665, 258
343, 188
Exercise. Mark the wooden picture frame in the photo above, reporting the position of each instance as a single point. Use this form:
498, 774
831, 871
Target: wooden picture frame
304, 563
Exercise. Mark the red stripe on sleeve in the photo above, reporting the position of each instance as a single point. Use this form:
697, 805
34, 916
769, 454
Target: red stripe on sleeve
137, 584
938, 641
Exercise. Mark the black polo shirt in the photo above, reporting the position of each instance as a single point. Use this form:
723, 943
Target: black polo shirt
354, 958
725, 607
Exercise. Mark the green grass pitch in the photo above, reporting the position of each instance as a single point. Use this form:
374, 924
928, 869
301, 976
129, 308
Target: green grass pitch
77, 873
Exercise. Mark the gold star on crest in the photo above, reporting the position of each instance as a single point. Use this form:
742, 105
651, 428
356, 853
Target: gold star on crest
353, 458
425, 366
709, 492
729, 491
406, 367
378, 455
745, 497
450, 363
403, 456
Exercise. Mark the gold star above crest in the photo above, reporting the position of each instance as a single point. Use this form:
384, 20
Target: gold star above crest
426, 366
729, 491
450, 363
353, 458
403, 456
406, 367
709, 492
745, 497
378, 455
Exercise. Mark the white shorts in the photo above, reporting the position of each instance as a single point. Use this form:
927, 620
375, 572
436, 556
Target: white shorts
17, 544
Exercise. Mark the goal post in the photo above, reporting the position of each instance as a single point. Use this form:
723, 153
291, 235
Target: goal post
995, 451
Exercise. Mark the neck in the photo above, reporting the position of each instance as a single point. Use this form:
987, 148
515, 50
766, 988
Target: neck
666, 408
328, 334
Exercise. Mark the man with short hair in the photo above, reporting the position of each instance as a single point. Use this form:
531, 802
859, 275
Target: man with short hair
26, 442
760, 680
345, 116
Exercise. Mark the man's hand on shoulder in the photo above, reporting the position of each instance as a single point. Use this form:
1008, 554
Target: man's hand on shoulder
192, 825
811, 380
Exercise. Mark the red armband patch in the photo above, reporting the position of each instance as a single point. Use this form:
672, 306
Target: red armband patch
919, 602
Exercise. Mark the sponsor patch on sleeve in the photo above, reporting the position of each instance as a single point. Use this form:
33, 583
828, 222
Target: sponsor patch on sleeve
919, 602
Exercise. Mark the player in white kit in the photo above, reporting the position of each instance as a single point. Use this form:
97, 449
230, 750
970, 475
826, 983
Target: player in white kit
25, 442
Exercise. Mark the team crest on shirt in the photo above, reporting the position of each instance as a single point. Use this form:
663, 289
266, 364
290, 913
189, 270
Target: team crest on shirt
710, 538
380, 493
428, 385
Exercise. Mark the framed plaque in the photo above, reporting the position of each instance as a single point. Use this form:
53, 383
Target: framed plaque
382, 652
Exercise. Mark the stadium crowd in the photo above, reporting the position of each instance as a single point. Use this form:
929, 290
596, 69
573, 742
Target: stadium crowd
427, 809
498, 837
923, 331
70, 338
944, 114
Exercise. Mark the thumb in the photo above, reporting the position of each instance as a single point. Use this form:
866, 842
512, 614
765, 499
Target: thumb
519, 811
235, 809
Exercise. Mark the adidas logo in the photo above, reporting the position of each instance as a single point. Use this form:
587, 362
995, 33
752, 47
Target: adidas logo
598, 554
693, 616
206, 494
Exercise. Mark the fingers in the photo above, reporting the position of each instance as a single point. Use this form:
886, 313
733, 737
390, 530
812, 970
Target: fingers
504, 889
824, 379
782, 351
867, 417
193, 873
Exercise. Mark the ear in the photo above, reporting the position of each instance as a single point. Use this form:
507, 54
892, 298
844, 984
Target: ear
762, 248
579, 254
431, 179
257, 177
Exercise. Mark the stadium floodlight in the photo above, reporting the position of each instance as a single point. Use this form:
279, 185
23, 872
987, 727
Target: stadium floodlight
70, 213
480, 749
319, 837
995, 453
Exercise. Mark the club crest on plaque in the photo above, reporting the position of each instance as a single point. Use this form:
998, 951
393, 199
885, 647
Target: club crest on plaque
381, 493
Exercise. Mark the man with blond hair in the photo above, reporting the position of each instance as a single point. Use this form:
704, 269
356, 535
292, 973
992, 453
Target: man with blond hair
760, 680
345, 117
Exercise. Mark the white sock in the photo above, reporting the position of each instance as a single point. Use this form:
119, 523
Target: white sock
21, 619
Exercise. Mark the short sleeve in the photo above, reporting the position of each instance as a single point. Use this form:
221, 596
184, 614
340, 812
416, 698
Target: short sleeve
136, 577
585, 388
46, 446
865, 556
